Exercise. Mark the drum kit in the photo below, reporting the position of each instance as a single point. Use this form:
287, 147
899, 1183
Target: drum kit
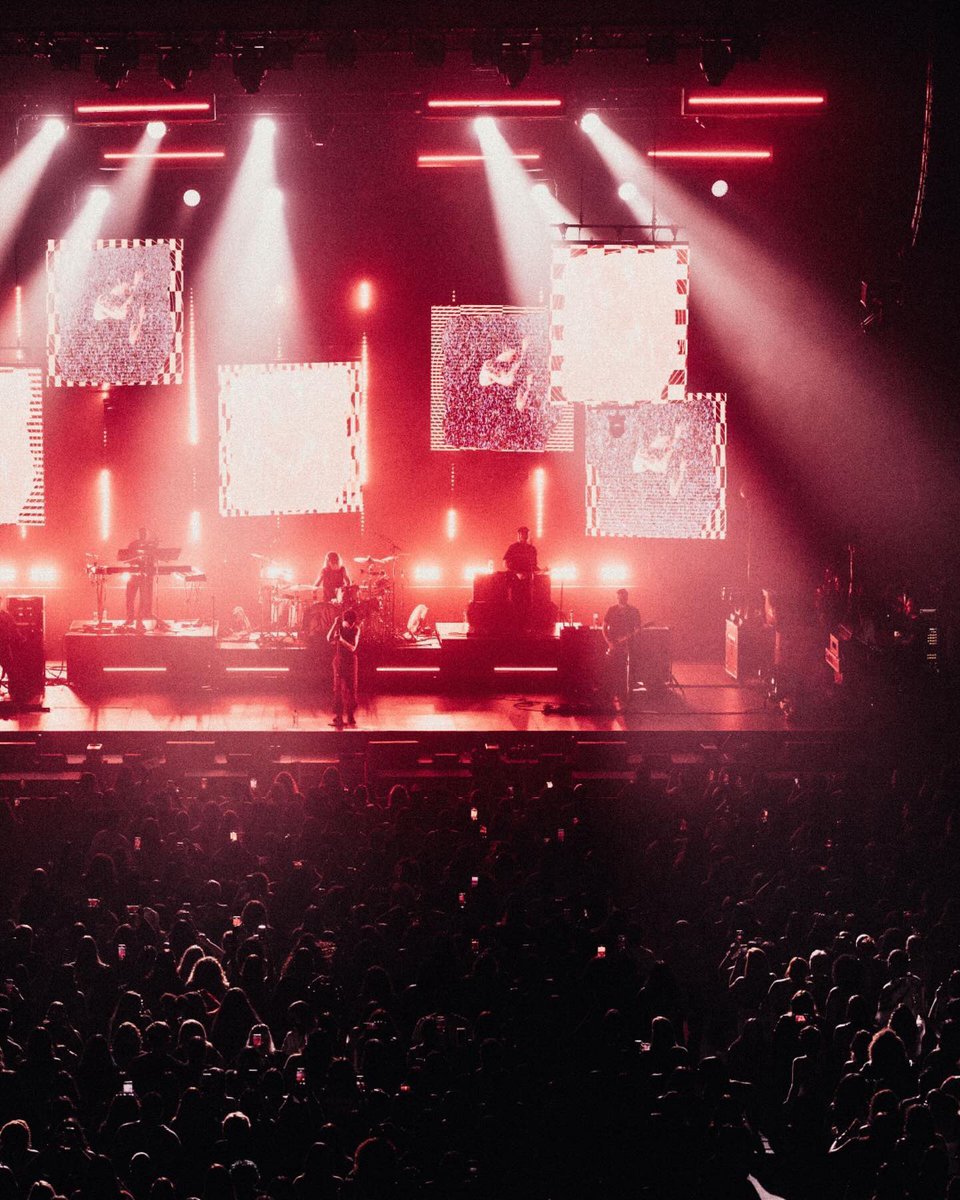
291, 610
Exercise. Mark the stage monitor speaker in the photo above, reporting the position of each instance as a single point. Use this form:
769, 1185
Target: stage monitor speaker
656, 660
27, 666
582, 653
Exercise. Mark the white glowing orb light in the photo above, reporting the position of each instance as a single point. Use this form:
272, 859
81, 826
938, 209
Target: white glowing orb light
614, 573
364, 295
8, 574
472, 570
590, 122
276, 572
427, 573
191, 197
719, 188
54, 129
628, 191
563, 573
43, 575
156, 130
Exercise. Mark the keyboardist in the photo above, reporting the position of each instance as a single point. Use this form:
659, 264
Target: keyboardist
141, 554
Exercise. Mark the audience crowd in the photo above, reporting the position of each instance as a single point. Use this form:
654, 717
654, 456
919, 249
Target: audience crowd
694, 985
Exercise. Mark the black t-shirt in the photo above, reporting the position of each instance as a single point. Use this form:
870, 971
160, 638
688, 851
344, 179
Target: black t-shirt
621, 621
331, 580
521, 557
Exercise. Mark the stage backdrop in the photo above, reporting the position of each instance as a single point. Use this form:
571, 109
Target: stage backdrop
618, 323
658, 470
489, 381
114, 312
291, 438
21, 447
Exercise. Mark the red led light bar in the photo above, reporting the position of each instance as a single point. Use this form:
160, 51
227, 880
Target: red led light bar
459, 160
714, 155
489, 104
164, 155
756, 104
138, 112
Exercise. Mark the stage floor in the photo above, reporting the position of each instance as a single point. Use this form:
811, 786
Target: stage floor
704, 698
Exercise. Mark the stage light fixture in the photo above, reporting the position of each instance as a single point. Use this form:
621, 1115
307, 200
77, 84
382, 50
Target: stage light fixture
429, 50
719, 188
54, 129
716, 60
250, 68
590, 122
364, 295
177, 65
427, 573
628, 191
114, 63
342, 50
8, 574
191, 197
614, 573
156, 129
43, 575
513, 62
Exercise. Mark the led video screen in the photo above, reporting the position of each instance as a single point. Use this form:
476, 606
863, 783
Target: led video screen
21, 447
489, 385
114, 312
290, 438
618, 323
658, 470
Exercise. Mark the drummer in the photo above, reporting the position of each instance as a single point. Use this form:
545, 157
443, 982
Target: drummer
333, 579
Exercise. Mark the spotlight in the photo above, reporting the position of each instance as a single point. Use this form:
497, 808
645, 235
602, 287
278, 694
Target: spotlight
191, 197
590, 122
114, 63
429, 50
513, 62
363, 295
716, 60
156, 130
99, 196
719, 188
250, 68
342, 50
54, 129
540, 191
484, 125
264, 126
628, 191
274, 197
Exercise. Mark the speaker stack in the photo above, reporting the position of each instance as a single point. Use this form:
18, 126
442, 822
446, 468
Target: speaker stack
27, 669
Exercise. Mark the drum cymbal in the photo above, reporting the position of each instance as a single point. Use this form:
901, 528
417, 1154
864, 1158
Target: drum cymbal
364, 562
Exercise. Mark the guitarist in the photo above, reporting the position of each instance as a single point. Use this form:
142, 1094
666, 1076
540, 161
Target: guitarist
621, 628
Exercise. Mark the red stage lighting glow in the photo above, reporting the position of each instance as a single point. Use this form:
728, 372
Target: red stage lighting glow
169, 156
104, 112
714, 155
460, 160
489, 104
761, 102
